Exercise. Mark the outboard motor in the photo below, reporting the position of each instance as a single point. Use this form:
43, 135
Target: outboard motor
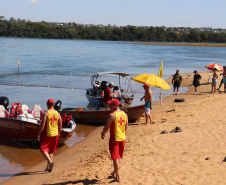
5, 102
104, 84
58, 105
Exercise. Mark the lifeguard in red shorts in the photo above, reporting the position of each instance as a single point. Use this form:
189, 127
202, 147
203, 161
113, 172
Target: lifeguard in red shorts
49, 132
117, 121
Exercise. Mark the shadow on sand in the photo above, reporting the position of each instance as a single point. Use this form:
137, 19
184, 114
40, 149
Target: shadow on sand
84, 182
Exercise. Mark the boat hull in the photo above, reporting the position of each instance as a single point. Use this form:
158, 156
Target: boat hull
99, 117
25, 131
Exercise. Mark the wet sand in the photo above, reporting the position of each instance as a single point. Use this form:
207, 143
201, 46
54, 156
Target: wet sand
193, 156
18, 156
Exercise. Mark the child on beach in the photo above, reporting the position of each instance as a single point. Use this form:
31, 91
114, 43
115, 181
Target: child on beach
214, 81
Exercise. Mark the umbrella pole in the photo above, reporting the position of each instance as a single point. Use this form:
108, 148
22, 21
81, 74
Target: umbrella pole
161, 97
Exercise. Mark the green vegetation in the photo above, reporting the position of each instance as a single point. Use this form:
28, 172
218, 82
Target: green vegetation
27, 29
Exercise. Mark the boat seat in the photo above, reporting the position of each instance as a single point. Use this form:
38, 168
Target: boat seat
25, 109
3, 112
37, 112
27, 117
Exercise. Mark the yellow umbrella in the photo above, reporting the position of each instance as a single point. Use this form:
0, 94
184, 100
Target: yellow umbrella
152, 80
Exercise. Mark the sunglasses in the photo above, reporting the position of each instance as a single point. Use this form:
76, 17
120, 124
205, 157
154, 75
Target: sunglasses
112, 104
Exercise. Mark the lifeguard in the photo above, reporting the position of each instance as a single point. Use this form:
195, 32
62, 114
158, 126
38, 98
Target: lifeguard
49, 132
117, 121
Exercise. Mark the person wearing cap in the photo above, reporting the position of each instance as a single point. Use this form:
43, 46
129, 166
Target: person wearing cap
117, 121
49, 132
107, 94
176, 81
196, 81
148, 103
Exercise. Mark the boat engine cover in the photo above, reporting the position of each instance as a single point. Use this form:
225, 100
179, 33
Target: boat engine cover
104, 84
5, 102
58, 105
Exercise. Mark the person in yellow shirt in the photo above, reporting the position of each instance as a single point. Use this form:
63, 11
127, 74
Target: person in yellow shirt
49, 132
117, 121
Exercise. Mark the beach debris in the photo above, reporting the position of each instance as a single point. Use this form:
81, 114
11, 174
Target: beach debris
164, 132
170, 110
163, 121
179, 100
224, 159
208, 158
176, 129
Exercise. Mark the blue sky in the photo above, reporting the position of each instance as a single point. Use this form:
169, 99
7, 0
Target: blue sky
175, 13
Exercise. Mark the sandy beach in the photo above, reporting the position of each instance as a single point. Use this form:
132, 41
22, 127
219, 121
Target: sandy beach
193, 156
183, 44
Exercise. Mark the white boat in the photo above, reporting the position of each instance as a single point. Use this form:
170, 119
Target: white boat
123, 89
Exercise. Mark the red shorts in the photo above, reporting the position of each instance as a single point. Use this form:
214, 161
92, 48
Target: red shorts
116, 149
49, 144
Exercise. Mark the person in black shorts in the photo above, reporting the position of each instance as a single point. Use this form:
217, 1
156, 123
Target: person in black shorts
196, 81
176, 81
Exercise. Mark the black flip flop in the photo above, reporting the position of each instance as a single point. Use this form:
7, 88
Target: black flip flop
51, 167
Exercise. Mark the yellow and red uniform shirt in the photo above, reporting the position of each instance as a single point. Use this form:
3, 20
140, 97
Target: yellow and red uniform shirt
118, 127
52, 123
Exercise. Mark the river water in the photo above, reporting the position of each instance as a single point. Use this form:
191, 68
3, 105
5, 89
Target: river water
61, 69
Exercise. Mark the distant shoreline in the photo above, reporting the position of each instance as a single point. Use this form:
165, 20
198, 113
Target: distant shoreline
183, 44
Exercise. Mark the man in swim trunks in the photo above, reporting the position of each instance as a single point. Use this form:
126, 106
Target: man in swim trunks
117, 121
148, 103
107, 94
49, 132
176, 81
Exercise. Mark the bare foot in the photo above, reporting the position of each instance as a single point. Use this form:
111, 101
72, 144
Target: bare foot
173, 93
144, 124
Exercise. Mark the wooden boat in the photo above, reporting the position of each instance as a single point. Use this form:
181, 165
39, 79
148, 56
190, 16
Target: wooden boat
98, 116
123, 89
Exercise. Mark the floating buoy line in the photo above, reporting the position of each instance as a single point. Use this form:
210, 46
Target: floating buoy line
49, 75
16, 85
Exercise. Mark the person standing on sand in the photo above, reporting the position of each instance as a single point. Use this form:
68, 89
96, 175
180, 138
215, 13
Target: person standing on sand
222, 80
117, 121
49, 132
176, 81
148, 103
214, 81
196, 81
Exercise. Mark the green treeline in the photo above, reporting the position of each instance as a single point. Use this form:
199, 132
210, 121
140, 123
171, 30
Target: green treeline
27, 29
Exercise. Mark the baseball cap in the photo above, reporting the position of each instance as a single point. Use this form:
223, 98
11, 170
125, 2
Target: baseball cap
195, 71
114, 101
50, 102
112, 84
145, 85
